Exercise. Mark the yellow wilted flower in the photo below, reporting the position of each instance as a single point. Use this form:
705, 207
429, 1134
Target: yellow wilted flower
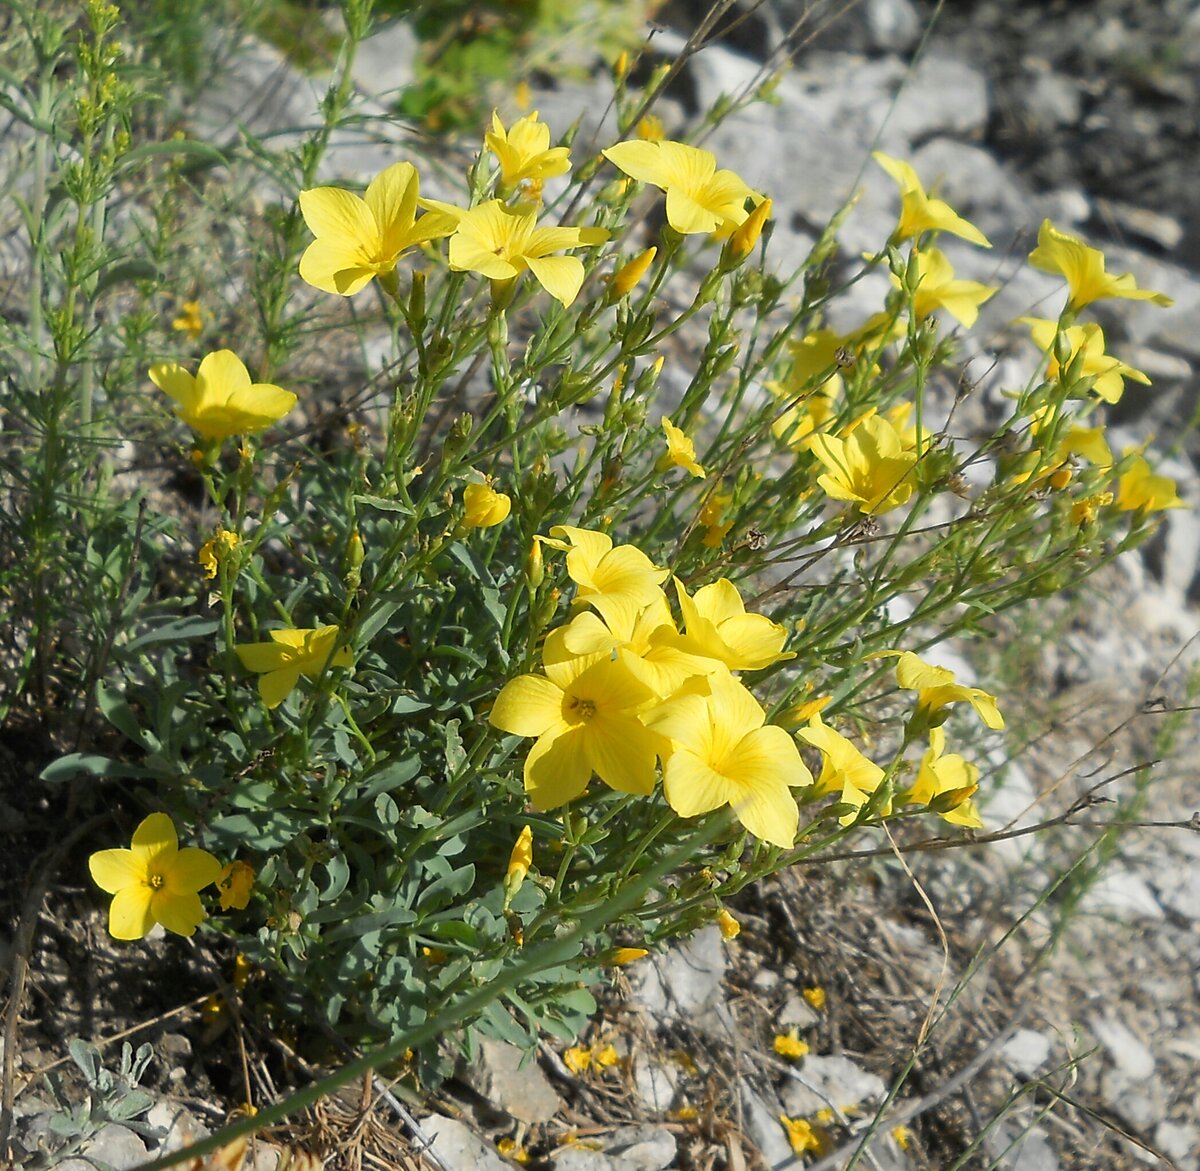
790, 1046
360, 239
1083, 512
519, 862
290, 654
844, 768
936, 691
524, 151
870, 467
578, 1059
730, 928
800, 1134
216, 549
938, 289
946, 783
190, 320
511, 1149
485, 506
715, 529
1108, 373
681, 451
154, 881
918, 212
815, 996
235, 884
221, 400
903, 1136
700, 198
1083, 268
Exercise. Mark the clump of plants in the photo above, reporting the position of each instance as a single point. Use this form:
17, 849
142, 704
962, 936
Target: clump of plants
599, 610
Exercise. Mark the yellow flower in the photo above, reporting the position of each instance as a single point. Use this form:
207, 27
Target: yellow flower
699, 197
626, 278
844, 767
936, 690
790, 1046
358, 239
1083, 512
235, 884
290, 654
681, 451
524, 151
485, 506
651, 129
585, 714
216, 549
815, 996
1083, 268
221, 400
500, 243
519, 862
619, 581
724, 753
1108, 373
154, 882
578, 1059
190, 320
1140, 488
627, 955
510, 1149
522, 95
903, 1137
938, 289
946, 783
800, 1134
870, 467
730, 928
719, 628
715, 529
918, 212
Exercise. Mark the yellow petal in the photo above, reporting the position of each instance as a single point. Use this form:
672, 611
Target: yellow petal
391, 198
527, 706
154, 837
639, 160
334, 266
114, 870
557, 769
691, 786
180, 913
260, 405
221, 373
191, 870
623, 753
340, 215
560, 276
275, 686
262, 656
175, 381
129, 916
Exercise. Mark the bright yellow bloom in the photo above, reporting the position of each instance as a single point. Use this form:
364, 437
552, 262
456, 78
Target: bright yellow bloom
800, 1134
510, 1149
216, 549
844, 767
870, 467
619, 581
724, 753
719, 628
903, 1137
500, 243
1140, 488
290, 654
235, 884
519, 862
1083, 268
946, 783
918, 212
578, 1059
699, 197
154, 882
221, 400
485, 506
524, 151
815, 996
626, 278
681, 451
627, 955
729, 927
585, 713
190, 320
358, 239
936, 690
1108, 373
790, 1046
938, 289
1087, 443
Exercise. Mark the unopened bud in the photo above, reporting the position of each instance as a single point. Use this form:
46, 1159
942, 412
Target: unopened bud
743, 241
535, 565
626, 278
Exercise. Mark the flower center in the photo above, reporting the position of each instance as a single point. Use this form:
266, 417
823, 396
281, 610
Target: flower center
156, 881
581, 709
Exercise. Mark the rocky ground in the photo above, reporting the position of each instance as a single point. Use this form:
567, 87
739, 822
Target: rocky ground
1081, 1032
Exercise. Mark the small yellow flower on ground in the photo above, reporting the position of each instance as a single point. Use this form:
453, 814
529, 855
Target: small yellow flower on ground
154, 881
578, 1059
938, 289
360, 239
790, 1046
524, 151
500, 243
903, 1137
485, 506
1083, 268
729, 927
815, 996
946, 783
724, 753
681, 451
1108, 373
235, 884
700, 198
844, 767
1140, 488
290, 654
190, 320
216, 549
519, 862
511, 1149
585, 714
619, 581
869, 468
800, 1135
936, 690
221, 400
918, 212
718, 627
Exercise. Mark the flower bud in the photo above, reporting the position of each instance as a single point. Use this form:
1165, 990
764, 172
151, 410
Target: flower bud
485, 506
535, 565
519, 862
743, 241
626, 278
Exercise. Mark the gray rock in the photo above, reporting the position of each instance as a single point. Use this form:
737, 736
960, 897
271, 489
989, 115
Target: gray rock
579, 1158
179, 1126
654, 1083
797, 1013
834, 1083
892, 26
115, 1145
760, 1122
942, 96
1129, 1052
1026, 1051
1049, 99
685, 984
511, 1080
386, 60
1180, 1141
1179, 889
1017, 1151
641, 1148
459, 1147
1123, 893
1142, 223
